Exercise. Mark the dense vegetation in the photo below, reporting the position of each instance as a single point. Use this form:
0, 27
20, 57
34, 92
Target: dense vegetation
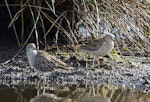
60, 22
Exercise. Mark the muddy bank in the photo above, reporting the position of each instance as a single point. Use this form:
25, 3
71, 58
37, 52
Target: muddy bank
132, 73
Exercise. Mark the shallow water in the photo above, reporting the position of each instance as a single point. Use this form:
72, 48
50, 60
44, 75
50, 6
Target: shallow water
72, 93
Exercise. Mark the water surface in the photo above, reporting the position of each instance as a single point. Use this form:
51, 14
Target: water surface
71, 93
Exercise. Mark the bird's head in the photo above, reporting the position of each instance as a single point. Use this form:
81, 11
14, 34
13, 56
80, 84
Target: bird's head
31, 46
108, 37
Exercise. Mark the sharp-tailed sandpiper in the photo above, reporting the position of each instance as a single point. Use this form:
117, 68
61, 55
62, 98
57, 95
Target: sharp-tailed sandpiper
99, 47
44, 61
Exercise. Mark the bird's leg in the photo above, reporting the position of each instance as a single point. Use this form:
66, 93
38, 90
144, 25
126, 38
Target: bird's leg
98, 63
93, 61
86, 64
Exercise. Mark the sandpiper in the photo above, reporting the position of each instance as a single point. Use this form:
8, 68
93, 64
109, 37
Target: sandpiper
99, 47
44, 61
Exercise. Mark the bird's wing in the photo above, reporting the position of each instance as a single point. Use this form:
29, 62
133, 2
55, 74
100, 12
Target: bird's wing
93, 45
49, 62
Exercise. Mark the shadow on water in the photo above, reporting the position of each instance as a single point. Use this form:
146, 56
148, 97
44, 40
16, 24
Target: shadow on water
71, 93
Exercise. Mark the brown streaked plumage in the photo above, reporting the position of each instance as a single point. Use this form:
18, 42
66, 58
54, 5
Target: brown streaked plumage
43, 61
99, 47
